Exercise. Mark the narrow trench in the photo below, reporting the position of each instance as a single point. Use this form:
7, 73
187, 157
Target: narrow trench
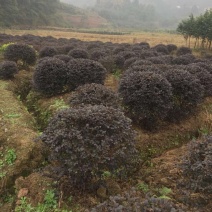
22, 88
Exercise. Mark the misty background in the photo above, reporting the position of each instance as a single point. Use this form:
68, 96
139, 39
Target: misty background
101, 14
145, 14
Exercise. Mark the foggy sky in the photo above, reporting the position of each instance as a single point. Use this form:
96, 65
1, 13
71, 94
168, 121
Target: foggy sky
202, 4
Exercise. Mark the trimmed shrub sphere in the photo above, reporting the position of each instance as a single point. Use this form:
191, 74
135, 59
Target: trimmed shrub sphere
183, 51
50, 76
94, 94
8, 69
187, 93
78, 53
196, 166
147, 96
84, 71
87, 141
63, 57
23, 52
47, 51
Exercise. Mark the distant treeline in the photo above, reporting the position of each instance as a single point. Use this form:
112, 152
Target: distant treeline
127, 14
31, 12
199, 28
102, 32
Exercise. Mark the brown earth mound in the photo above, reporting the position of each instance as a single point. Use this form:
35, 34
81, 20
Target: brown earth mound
20, 155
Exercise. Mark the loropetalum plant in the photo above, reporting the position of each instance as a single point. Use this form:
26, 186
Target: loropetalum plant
171, 47
50, 76
129, 62
203, 75
205, 65
183, 51
78, 53
183, 59
187, 93
84, 71
142, 68
197, 166
147, 97
94, 94
97, 54
48, 51
161, 48
140, 62
20, 52
132, 201
63, 57
87, 141
8, 69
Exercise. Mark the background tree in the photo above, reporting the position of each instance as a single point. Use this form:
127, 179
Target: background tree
199, 28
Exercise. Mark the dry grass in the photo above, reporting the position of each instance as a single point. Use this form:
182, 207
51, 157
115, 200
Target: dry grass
153, 38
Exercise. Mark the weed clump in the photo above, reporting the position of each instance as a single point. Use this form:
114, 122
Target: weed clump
8, 69
87, 141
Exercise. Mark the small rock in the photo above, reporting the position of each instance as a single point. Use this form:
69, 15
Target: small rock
102, 192
23, 192
149, 180
164, 181
195, 195
174, 171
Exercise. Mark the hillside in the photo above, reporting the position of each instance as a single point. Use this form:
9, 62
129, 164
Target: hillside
80, 18
42, 13
144, 14
80, 3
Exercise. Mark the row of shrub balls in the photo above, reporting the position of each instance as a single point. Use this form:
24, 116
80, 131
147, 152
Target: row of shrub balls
155, 84
94, 135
